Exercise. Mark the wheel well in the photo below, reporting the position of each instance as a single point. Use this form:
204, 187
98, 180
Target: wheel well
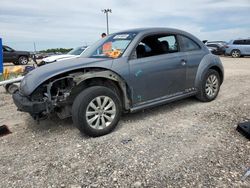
236, 50
23, 56
111, 84
219, 71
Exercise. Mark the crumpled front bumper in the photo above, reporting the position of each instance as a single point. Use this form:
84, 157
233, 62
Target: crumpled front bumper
24, 104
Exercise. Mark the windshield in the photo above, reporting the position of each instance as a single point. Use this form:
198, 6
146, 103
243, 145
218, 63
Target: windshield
8, 48
77, 51
112, 46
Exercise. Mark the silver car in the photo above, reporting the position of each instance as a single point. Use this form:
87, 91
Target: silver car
238, 48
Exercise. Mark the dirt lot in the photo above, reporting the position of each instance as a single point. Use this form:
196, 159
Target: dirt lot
182, 144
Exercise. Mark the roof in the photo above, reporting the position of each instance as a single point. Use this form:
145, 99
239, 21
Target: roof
152, 29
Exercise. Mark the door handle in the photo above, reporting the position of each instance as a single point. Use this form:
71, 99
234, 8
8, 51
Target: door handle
183, 62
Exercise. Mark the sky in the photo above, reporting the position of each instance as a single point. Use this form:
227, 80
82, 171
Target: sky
72, 23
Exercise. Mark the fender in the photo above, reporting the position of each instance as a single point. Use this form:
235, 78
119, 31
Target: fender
110, 75
206, 63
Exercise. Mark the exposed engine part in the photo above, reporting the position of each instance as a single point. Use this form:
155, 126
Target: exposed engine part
79, 77
53, 93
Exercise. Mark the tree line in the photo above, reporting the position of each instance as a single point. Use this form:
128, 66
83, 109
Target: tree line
56, 50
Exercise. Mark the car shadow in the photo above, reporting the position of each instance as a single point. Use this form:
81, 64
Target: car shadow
53, 123
151, 112
234, 58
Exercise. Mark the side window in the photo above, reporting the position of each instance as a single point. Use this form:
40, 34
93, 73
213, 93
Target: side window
147, 48
156, 45
240, 42
247, 42
172, 43
212, 45
188, 44
8, 49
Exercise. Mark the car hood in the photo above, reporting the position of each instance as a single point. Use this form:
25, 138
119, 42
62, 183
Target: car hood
39, 75
58, 57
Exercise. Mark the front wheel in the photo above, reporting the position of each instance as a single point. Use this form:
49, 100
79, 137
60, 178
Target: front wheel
235, 53
96, 111
210, 86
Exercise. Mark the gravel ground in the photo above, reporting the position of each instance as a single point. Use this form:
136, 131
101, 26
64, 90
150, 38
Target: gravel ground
182, 144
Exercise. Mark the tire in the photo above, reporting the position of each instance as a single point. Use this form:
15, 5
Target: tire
11, 88
235, 53
23, 60
96, 123
210, 86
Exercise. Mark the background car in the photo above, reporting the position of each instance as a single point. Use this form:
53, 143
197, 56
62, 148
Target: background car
73, 53
217, 48
14, 56
212, 49
224, 43
238, 48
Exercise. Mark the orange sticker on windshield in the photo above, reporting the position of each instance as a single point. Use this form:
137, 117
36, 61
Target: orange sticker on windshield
114, 54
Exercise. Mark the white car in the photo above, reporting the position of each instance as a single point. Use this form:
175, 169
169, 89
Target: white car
76, 52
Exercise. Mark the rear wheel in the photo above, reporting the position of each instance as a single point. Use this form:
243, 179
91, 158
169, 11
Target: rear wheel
210, 86
235, 53
96, 111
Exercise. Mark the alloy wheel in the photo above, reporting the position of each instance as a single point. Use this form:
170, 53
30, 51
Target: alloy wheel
235, 53
212, 86
23, 60
100, 112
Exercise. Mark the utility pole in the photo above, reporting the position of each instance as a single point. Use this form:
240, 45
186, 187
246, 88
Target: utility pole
34, 47
106, 11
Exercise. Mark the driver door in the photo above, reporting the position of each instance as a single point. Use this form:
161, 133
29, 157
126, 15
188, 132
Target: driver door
159, 72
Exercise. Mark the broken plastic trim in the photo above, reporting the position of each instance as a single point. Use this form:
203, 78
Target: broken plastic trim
4, 130
80, 77
244, 129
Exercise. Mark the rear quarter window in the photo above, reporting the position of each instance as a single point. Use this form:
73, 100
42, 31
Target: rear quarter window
188, 44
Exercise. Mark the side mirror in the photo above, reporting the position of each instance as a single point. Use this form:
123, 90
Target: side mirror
204, 41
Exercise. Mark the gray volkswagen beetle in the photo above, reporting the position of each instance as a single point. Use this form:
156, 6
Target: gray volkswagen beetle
124, 72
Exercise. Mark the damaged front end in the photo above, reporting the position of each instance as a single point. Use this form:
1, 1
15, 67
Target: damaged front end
57, 94
48, 98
